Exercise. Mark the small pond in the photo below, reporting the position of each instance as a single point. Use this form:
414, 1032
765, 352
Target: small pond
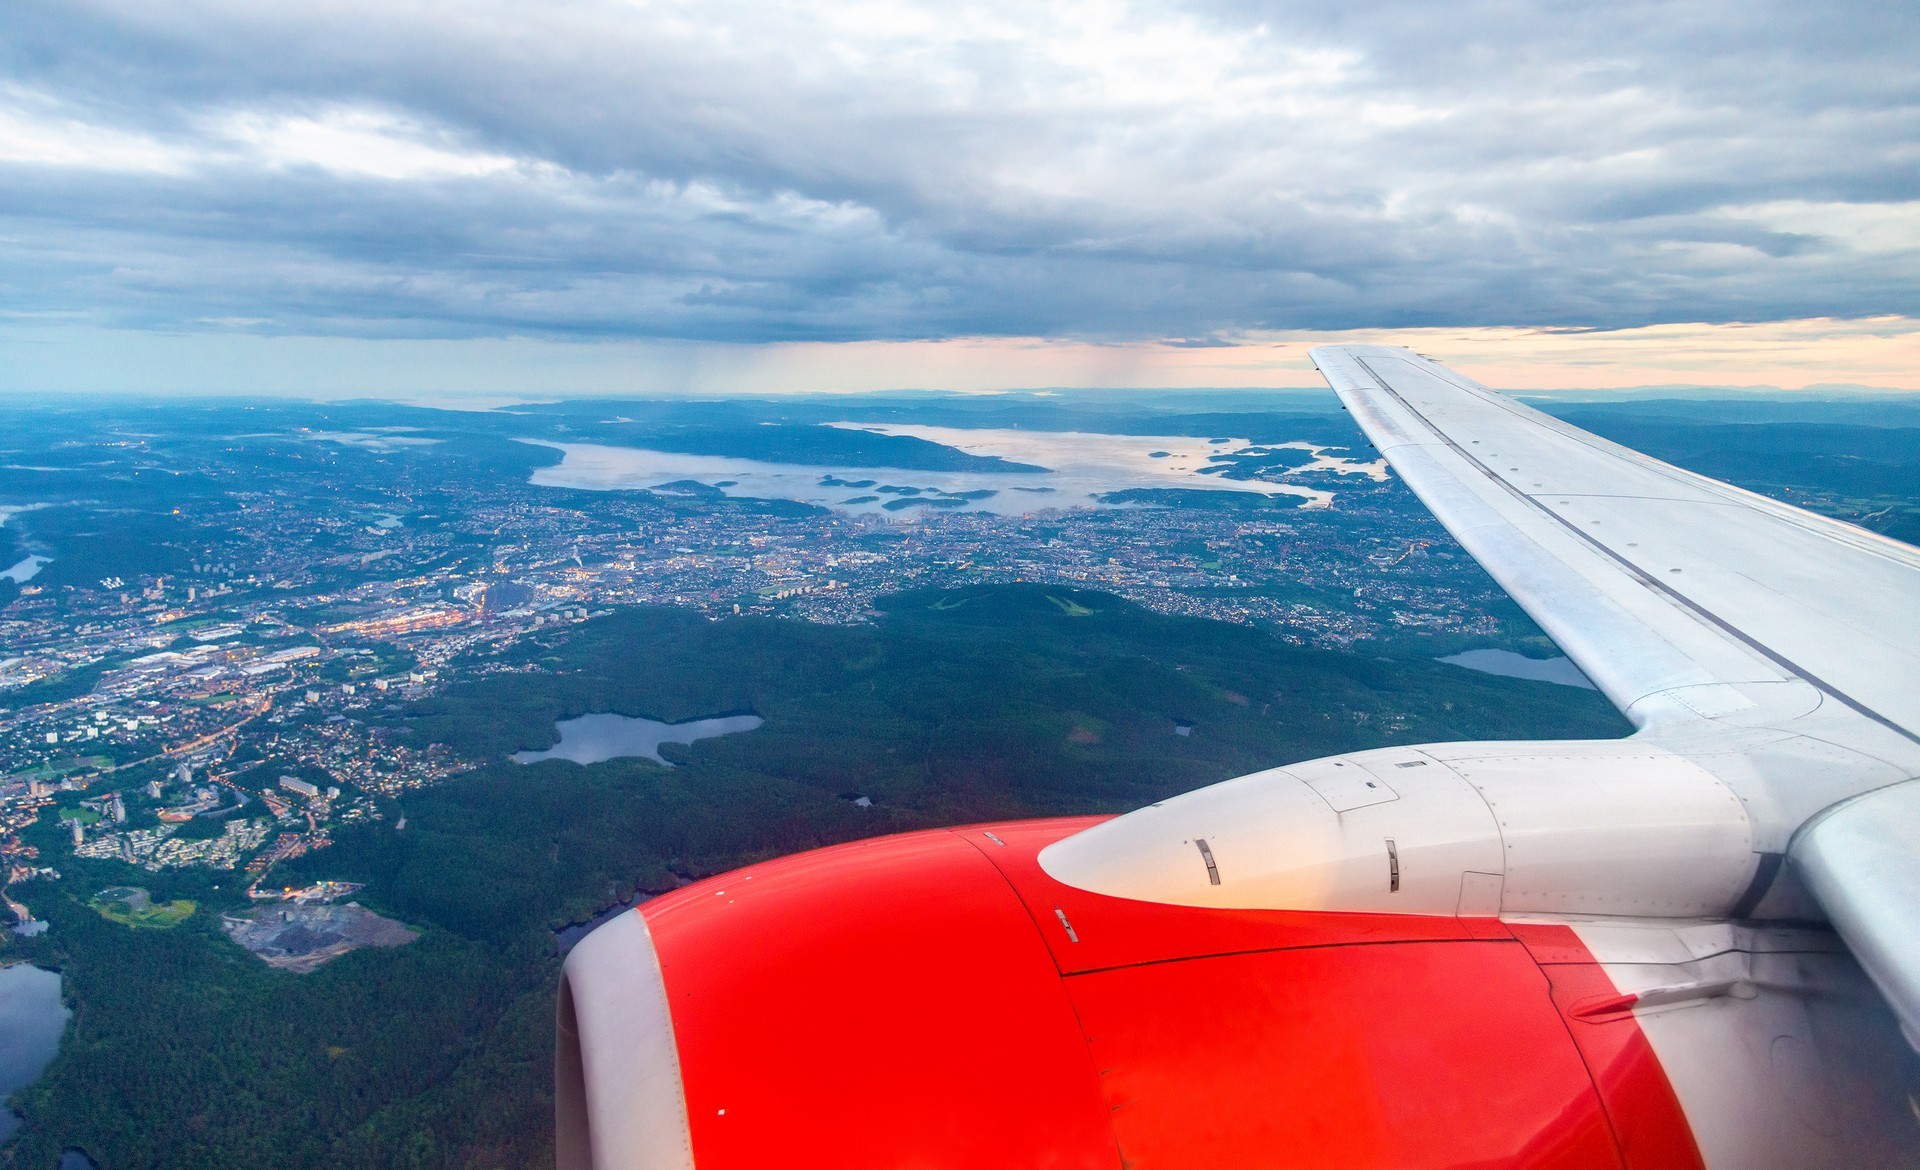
26, 569
1558, 669
32, 1019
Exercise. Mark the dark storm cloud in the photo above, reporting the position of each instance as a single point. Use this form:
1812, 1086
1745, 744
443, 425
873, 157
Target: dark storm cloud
762, 170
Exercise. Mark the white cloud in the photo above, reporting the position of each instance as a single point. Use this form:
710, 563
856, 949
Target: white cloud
347, 141
1861, 227
32, 131
355, 142
801, 169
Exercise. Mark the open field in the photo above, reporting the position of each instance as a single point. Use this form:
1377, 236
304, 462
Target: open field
130, 906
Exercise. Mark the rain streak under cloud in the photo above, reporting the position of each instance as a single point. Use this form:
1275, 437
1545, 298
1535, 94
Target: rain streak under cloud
754, 171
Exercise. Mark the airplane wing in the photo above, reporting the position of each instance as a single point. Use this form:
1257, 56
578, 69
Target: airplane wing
1696, 607
1680, 596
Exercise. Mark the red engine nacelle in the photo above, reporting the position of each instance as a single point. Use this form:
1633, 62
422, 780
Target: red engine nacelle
936, 1000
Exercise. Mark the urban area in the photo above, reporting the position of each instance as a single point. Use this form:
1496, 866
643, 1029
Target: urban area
224, 713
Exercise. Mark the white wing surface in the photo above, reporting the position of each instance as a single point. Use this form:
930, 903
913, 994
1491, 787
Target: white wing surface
1680, 596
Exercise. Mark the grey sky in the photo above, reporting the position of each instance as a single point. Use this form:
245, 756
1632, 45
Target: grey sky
747, 171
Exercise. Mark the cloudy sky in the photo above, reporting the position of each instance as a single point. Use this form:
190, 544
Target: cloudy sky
585, 195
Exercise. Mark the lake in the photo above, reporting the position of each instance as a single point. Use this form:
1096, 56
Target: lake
1505, 662
32, 1019
589, 739
26, 569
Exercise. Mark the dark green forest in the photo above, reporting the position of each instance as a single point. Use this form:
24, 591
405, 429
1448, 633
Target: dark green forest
993, 702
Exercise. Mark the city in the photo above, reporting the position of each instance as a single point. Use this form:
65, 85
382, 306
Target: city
252, 689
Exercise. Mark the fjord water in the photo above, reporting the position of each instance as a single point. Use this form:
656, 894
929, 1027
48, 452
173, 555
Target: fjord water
1081, 469
589, 739
32, 1019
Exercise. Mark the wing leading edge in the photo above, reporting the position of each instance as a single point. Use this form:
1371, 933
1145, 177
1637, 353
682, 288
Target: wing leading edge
1680, 596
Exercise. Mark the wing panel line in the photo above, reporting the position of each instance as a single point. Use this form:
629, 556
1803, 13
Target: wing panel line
1731, 494
1632, 570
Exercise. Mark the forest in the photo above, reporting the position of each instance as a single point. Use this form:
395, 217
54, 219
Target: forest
985, 703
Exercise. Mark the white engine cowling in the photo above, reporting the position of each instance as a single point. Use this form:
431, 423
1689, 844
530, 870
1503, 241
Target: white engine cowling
1571, 827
